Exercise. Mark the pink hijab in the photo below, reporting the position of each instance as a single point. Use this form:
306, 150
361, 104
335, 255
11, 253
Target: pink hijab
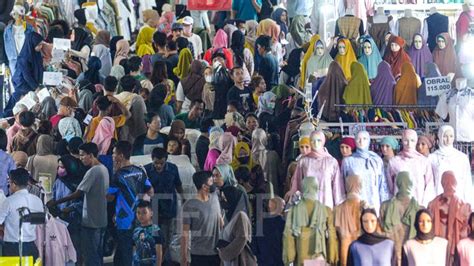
165, 22
410, 152
226, 144
104, 134
220, 40
321, 152
123, 48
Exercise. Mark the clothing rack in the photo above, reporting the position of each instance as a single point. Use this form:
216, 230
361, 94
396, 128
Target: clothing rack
352, 127
388, 106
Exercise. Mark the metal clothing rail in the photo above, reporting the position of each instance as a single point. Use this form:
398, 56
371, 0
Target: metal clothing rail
391, 106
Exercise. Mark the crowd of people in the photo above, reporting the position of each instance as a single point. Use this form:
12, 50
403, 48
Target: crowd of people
196, 145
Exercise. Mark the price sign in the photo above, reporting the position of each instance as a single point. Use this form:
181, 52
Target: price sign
437, 86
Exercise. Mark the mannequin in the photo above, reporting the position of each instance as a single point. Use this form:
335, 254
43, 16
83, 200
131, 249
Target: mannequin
345, 57
418, 167
346, 216
379, 26
450, 214
370, 57
324, 167
369, 165
388, 146
448, 158
14, 35
398, 214
359, 9
444, 54
419, 54
465, 248
459, 104
407, 26
350, 25
424, 146
380, 16
425, 248
371, 248
433, 26
396, 55
309, 230
462, 24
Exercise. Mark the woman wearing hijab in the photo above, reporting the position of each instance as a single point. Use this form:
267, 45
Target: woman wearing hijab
44, 161
358, 89
395, 55
113, 46
242, 56
425, 248
190, 88
383, 85
444, 54
298, 33
431, 71
103, 38
220, 42
214, 151
103, 53
465, 247
92, 74
331, 91
269, 160
345, 57
123, 48
371, 248
242, 154
183, 68
104, 135
251, 36
270, 28
420, 54
370, 57
280, 16
178, 131
144, 43
81, 46
266, 110
69, 128
29, 69
316, 61
407, 86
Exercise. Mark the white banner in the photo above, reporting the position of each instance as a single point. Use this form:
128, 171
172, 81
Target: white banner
437, 86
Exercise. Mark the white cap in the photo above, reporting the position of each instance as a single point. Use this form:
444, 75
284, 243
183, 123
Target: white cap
188, 20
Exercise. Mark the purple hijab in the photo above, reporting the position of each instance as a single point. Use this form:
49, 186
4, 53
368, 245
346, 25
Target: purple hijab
382, 87
419, 58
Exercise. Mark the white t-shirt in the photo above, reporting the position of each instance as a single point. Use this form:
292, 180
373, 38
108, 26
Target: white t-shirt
180, 97
460, 108
197, 45
19, 35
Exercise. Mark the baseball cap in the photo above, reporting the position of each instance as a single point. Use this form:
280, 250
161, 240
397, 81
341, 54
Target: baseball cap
188, 20
176, 26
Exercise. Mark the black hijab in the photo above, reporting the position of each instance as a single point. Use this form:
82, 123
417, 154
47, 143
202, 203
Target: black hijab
420, 235
237, 46
75, 171
80, 15
30, 62
81, 39
366, 238
294, 62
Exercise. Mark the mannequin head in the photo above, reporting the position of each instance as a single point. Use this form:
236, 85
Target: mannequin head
409, 140
418, 41
369, 221
461, 83
424, 145
441, 42
317, 140
388, 147
18, 13
304, 145
319, 48
347, 146
367, 47
341, 48
380, 11
363, 140
424, 221
395, 47
404, 184
306, 129
446, 136
449, 183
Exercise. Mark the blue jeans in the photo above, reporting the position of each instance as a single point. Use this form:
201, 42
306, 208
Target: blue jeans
92, 243
124, 252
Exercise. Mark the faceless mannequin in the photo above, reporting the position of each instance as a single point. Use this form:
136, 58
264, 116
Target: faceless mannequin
408, 13
14, 35
433, 10
394, 47
461, 83
350, 11
418, 41
441, 43
367, 48
465, 7
380, 16
341, 48
305, 129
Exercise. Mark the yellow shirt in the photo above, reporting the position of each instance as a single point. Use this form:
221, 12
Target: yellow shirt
90, 132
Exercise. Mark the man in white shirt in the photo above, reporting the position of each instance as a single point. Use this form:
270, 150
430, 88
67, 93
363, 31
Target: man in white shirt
192, 38
10, 216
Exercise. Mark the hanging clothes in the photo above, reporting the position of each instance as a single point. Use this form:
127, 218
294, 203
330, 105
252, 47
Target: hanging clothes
407, 86
431, 71
358, 89
446, 58
396, 59
372, 60
350, 27
382, 87
345, 60
331, 91
406, 27
379, 30
462, 24
420, 57
434, 25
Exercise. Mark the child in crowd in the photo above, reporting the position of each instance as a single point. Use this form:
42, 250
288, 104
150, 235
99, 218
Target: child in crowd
147, 238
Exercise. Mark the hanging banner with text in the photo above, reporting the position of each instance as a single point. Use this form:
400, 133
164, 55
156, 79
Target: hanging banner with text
437, 86
224, 5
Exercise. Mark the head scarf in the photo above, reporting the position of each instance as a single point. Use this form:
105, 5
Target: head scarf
332, 90
113, 45
81, 39
175, 126
358, 89
236, 162
251, 32
346, 218
20, 158
322, 152
410, 153
392, 142
144, 44
227, 174
102, 37
69, 127
369, 238
48, 107
80, 15
406, 89
372, 160
346, 60
264, 102
420, 235
420, 57
349, 141
151, 17
29, 60
214, 135
237, 46
372, 61
220, 40
184, 63
427, 140
45, 145
226, 145
276, 16
74, 169
104, 134
292, 68
93, 67
298, 31
446, 58
166, 20
270, 28
123, 48
103, 53
382, 87
117, 71
396, 59
194, 82
259, 144
445, 149
229, 29
312, 62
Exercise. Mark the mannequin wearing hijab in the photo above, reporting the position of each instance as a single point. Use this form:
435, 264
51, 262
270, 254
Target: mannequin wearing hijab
448, 158
370, 57
324, 167
388, 147
331, 91
309, 230
417, 165
407, 86
346, 216
425, 248
370, 248
345, 57
358, 89
431, 71
397, 215
444, 54
368, 164
420, 54
450, 214
395, 55
465, 248
382, 87
316, 60
424, 145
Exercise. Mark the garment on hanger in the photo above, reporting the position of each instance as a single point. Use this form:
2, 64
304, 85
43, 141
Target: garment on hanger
357, 90
431, 71
331, 91
462, 24
350, 27
371, 61
346, 60
382, 87
396, 59
379, 30
407, 27
446, 58
420, 57
54, 243
434, 25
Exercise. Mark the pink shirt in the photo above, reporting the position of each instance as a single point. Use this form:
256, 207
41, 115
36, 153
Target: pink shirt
211, 159
326, 170
58, 248
465, 249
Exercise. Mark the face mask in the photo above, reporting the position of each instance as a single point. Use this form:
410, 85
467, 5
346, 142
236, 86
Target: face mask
212, 188
61, 172
244, 160
208, 79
